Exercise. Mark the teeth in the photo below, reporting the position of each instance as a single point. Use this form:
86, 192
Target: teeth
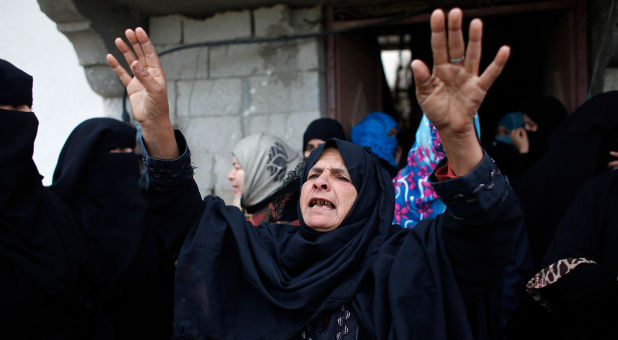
322, 204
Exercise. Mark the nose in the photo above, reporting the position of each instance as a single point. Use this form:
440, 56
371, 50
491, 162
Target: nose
321, 183
230, 175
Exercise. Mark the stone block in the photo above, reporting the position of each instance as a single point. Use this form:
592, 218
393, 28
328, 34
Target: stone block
306, 20
171, 99
222, 26
288, 126
218, 97
280, 20
103, 80
211, 134
272, 21
203, 175
264, 59
166, 29
112, 107
282, 93
222, 166
191, 63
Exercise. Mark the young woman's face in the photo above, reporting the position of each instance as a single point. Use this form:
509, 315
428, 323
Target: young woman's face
236, 176
328, 194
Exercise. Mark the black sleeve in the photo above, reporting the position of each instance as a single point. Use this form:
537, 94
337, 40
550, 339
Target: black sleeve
479, 227
174, 200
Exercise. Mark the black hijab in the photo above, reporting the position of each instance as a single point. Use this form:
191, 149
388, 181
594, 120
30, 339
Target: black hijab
43, 291
238, 281
15, 85
324, 129
578, 150
128, 261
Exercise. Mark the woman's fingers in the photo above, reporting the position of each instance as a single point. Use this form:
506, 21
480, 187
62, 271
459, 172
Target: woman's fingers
137, 47
142, 74
121, 73
151, 56
495, 68
439, 44
456, 44
422, 77
473, 54
127, 52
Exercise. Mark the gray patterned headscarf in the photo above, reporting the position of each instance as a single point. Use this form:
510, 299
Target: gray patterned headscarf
266, 160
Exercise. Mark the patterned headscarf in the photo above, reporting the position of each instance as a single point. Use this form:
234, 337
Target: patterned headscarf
415, 199
266, 160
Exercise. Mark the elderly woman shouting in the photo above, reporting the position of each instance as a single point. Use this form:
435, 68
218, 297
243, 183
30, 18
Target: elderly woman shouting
345, 272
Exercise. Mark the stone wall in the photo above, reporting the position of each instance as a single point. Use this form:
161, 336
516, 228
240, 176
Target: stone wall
220, 94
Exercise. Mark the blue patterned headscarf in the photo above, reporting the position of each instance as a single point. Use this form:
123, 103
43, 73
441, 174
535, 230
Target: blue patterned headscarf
415, 199
373, 132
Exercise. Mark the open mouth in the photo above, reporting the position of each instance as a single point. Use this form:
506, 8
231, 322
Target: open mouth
320, 203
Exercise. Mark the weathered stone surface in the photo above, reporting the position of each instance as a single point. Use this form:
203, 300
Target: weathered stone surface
86, 41
211, 134
264, 59
272, 21
222, 166
103, 80
112, 107
166, 29
203, 174
280, 20
223, 26
171, 99
208, 97
288, 126
294, 92
185, 64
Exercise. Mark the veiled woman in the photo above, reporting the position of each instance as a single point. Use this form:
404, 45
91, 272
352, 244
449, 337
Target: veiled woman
97, 177
345, 271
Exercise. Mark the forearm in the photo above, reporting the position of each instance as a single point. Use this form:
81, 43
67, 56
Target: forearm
462, 149
159, 139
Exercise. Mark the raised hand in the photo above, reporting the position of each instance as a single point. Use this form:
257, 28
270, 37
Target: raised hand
452, 92
147, 92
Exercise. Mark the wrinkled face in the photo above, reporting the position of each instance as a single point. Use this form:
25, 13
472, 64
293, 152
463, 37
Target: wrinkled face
328, 194
312, 144
23, 108
236, 176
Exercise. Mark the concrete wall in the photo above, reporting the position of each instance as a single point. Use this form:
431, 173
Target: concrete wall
220, 94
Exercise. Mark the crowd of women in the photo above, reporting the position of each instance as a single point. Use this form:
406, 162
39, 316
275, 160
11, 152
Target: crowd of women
337, 243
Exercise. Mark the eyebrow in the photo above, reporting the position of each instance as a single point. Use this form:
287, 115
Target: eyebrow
335, 171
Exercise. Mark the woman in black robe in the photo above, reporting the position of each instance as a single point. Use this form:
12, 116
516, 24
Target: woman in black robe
349, 273
44, 289
97, 177
577, 281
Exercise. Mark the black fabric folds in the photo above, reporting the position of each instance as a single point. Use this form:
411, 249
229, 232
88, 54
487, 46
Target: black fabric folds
15, 85
578, 150
234, 280
324, 129
585, 301
129, 266
42, 289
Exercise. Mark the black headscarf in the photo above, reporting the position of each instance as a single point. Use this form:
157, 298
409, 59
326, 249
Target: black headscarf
43, 291
15, 85
128, 262
324, 129
578, 150
238, 281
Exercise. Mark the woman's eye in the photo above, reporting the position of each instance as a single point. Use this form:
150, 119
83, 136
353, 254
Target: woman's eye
345, 179
313, 176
